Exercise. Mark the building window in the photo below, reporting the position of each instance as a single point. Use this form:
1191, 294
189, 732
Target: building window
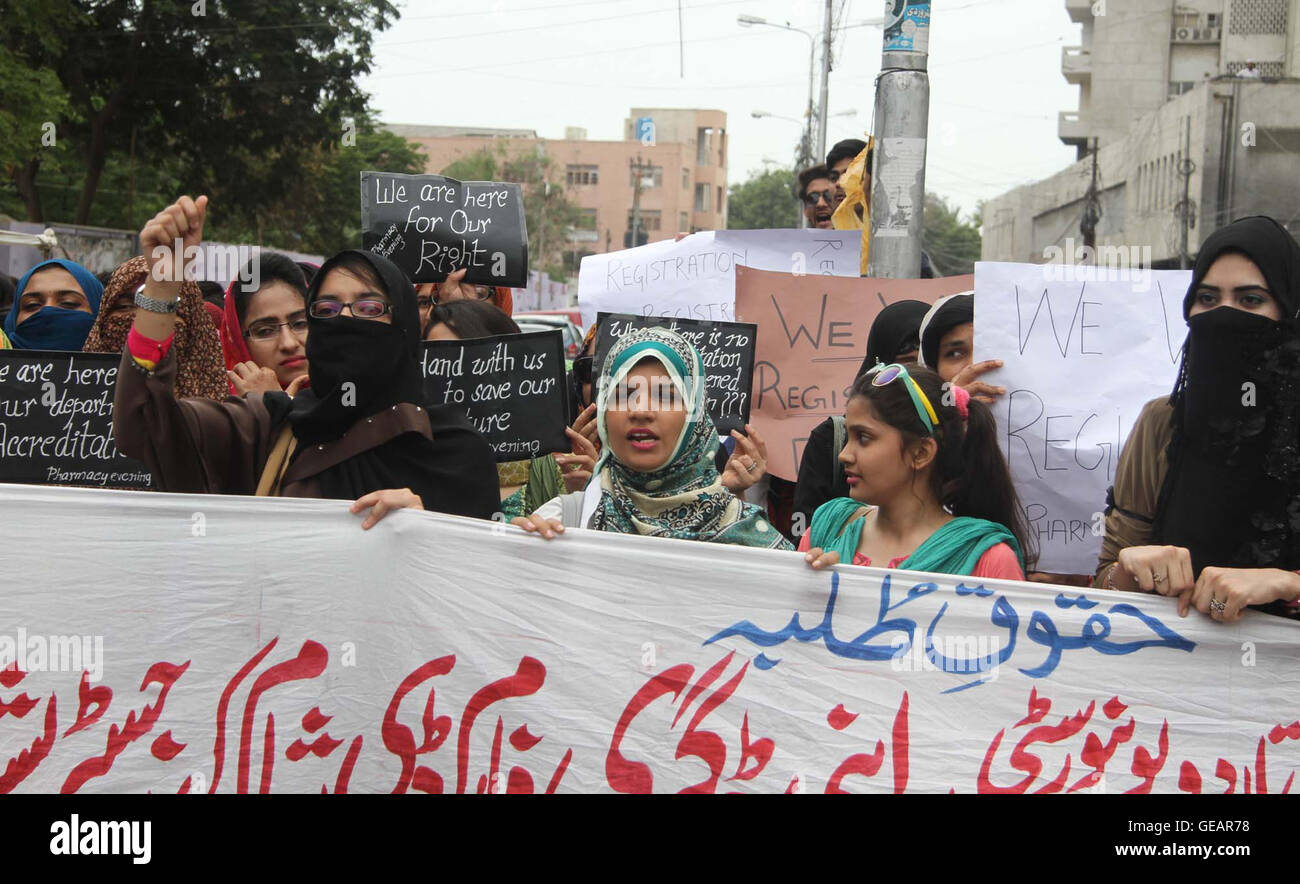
1257, 17
719, 202
1178, 87
686, 179
703, 148
586, 219
577, 176
650, 219
702, 197
684, 222
651, 176
1212, 19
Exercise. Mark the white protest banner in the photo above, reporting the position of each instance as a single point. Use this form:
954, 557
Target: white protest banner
185, 643
1083, 349
694, 278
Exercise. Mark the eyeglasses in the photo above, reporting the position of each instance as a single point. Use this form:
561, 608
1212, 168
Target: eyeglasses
269, 331
582, 369
424, 302
365, 308
811, 197
484, 292
887, 374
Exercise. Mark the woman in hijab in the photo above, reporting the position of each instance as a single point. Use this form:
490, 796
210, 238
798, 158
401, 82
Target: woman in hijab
264, 328
656, 474
948, 347
894, 337
199, 369
358, 434
1206, 501
54, 307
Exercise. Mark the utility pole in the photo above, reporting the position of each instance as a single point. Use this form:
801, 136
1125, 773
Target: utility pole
1186, 211
826, 74
1091, 209
636, 167
902, 125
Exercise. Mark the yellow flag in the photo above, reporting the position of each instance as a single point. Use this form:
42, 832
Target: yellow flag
855, 212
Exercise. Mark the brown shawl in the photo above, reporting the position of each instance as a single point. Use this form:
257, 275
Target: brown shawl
201, 369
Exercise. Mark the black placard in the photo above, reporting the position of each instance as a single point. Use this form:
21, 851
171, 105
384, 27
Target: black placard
727, 349
430, 225
511, 387
56, 421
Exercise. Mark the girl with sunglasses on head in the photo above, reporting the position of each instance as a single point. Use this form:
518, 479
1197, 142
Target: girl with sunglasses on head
656, 475
358, 433
1206, 502
928, 487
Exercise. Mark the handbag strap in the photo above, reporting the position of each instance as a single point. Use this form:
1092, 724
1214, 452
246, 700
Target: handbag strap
277, 463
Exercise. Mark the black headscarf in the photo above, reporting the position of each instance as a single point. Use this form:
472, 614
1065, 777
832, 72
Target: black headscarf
360, 367
1232, 492
896, 329
946, 314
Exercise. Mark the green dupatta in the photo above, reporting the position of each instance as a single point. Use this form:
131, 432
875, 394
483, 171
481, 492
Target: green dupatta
955, 548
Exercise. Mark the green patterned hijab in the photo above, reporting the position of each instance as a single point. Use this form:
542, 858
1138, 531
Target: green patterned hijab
685, 497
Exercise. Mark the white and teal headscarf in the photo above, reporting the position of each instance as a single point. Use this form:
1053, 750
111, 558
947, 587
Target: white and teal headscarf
685, 497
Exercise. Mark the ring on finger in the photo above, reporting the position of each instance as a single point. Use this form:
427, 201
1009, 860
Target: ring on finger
1216, 606
1159, 578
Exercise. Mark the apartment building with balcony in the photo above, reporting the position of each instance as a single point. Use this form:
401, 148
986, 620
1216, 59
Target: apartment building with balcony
1159, 95
683, 172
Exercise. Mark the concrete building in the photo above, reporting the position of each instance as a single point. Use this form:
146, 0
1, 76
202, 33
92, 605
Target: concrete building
1146, 102
683, 179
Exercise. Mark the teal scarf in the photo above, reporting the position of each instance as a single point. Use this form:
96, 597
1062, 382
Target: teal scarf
684, 498
953, 549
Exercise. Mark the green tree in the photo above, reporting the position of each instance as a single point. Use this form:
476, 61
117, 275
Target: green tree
765, 200
320, 213
952, 244
222, 93
548, 212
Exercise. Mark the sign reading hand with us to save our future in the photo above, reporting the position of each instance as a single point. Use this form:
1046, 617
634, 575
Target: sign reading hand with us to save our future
430, 225
511, 387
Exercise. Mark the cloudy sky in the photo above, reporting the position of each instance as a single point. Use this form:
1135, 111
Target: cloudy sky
995, 75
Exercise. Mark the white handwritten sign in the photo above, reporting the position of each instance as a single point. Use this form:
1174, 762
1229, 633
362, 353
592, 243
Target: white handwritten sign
1082, 353
695, 278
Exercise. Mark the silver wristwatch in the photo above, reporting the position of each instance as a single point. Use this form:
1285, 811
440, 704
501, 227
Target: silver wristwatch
153, 305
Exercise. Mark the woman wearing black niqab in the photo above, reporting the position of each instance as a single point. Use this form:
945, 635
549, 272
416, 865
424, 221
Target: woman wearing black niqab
1206, 502
360, 433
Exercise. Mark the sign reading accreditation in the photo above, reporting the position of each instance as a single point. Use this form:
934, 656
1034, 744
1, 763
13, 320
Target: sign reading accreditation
727, 349
511, 387
430, 225
56, 421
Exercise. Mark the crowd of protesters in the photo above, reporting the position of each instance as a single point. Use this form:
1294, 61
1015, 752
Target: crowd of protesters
308, 384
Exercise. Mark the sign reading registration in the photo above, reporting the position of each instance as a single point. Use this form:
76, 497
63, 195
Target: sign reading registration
430, 225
